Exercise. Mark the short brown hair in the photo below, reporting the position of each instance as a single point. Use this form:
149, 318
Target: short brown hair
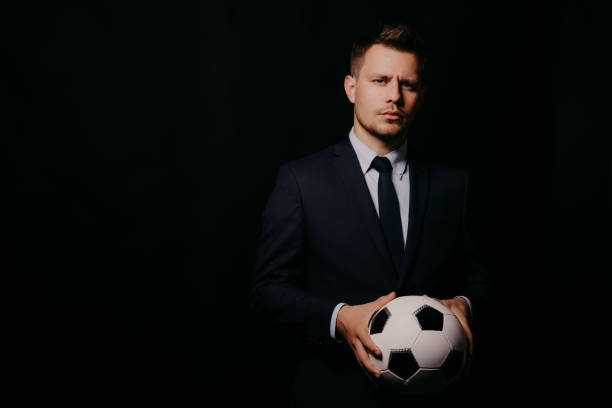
399, 36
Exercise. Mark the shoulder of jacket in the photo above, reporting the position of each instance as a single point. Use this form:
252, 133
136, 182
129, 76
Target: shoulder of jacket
310, 162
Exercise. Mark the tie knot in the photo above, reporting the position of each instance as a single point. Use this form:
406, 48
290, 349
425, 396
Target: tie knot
382, 164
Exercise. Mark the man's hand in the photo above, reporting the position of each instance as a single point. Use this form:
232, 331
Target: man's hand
459, 307
352, 323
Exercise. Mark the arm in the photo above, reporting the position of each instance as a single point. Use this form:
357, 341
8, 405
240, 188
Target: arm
278, 291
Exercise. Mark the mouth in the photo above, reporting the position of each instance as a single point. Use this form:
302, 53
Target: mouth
392, 115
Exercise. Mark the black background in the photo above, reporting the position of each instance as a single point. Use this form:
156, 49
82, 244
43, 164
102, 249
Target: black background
141, 140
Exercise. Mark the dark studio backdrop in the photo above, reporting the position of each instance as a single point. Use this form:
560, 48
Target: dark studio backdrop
140, 142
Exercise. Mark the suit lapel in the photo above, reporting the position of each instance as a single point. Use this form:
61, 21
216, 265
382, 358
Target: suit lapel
349, 171
419, 188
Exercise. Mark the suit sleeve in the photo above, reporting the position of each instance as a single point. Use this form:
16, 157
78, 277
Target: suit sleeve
278, 290
475, 270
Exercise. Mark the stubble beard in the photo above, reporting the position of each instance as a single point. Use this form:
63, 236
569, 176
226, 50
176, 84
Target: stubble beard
387, 138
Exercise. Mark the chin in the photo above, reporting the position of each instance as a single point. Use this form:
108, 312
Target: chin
390, 131
388, 136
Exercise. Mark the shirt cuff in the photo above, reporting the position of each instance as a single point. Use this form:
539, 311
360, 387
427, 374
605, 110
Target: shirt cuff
332, 324
469, 305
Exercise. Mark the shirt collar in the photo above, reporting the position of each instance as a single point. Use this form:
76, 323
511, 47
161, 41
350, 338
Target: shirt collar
365, 155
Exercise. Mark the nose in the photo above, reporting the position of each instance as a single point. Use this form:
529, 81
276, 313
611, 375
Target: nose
394, 90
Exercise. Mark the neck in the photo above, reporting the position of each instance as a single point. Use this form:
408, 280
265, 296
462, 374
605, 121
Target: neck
381, 147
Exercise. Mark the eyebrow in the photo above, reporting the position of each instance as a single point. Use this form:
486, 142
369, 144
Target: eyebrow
411, 81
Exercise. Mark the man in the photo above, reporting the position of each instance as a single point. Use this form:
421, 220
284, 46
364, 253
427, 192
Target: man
347, 229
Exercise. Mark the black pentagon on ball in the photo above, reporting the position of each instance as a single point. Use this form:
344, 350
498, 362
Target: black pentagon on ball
452, 365
379, 321
429, 318
402, 363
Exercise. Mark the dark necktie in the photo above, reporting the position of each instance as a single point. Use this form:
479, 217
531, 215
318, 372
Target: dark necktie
389, 211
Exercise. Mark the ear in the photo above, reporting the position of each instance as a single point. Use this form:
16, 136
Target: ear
349, 87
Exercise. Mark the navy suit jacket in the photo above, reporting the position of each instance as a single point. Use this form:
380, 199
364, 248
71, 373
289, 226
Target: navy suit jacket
322, 243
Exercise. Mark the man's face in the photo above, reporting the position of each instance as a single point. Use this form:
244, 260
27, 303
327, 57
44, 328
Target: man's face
386, 93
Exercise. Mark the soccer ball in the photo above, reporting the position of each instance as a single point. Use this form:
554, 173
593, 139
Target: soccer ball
424, 346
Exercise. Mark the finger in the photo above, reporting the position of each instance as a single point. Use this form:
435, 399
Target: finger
381, 301
467, 330
445, 302
365, 361
368, 374
377, 304
427, 296
368, 344
385, 299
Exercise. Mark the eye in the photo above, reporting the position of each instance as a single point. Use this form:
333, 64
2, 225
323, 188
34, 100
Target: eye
379, 81
413, 86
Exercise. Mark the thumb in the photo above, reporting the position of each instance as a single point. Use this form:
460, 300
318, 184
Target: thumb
385, 299
380, 302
